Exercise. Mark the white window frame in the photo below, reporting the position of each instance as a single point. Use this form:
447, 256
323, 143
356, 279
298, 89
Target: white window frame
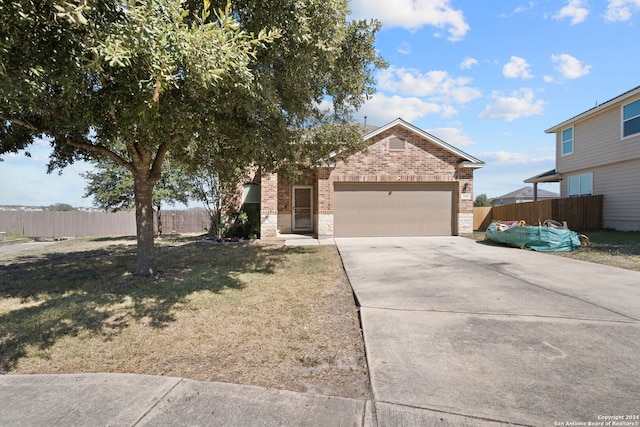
623, 120
573, 141
580, 178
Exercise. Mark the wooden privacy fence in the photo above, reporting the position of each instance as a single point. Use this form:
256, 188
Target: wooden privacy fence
58, 224
580, 213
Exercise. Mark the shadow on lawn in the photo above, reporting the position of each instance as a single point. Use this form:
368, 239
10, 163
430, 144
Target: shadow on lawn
63, 294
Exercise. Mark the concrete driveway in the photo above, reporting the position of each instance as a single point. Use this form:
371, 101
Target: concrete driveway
459, 332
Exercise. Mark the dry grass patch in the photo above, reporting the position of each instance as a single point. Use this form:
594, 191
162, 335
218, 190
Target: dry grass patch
258, 314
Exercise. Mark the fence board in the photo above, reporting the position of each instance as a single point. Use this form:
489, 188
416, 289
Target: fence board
481, 217
580, 213
530, 212
57, 224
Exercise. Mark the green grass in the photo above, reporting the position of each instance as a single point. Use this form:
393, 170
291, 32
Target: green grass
609, 247
14, 236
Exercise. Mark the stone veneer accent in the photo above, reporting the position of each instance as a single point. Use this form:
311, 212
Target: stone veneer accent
465, 223
268, 206
325, 224
284, 223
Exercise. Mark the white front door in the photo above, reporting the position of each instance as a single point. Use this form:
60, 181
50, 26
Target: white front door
302, 217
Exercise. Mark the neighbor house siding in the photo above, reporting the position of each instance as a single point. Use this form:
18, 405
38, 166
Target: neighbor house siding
598, 141
618, 182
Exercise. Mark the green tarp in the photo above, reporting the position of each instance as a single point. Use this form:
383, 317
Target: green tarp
538, 238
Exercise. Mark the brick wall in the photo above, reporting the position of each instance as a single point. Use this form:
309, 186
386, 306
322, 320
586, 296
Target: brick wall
419, 161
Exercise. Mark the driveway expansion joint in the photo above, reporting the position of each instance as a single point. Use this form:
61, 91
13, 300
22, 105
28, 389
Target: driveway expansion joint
632, 320
156, 403
440, 411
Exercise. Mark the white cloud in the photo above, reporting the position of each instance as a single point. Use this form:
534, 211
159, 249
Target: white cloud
521, 9
516, 68
521, 103
506, 157
468, 62
413, 14
511, 158
518, 9
621, 10
404, 49
453, 136
575, 10
569, 66
382, 109
437, 85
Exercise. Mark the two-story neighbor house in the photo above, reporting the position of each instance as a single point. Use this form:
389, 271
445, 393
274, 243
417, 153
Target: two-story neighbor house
598, 152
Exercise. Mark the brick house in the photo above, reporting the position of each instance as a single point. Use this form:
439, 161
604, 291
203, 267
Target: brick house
407, 183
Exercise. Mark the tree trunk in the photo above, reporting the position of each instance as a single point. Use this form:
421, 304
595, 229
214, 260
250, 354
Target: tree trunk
144, 223
159, 219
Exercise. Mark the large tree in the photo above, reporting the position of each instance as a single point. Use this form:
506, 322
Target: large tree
111, 186
135, 80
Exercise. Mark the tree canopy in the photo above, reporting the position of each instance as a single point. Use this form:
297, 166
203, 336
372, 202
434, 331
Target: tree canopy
111, 186
481, 201
270, 83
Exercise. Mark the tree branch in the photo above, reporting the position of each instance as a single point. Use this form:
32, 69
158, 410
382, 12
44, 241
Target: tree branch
156, 168
101, 149
19, 122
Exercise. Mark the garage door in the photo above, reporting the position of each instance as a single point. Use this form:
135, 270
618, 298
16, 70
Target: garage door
393, 209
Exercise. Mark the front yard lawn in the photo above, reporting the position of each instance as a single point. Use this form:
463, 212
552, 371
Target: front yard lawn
250, 313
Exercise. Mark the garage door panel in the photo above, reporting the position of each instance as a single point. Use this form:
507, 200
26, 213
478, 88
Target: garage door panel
393, 209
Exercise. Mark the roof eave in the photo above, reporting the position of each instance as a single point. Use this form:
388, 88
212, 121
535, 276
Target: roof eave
604, 106
549, 176
472, 165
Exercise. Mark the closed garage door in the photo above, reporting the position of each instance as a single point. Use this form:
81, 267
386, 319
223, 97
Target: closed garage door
393, 209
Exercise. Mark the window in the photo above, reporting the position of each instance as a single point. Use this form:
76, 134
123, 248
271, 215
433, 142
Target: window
581, 185
567, 141
631, 119
251, 193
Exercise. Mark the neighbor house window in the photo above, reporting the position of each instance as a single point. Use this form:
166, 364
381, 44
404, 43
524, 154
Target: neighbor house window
631, 119
567, 141
581, 185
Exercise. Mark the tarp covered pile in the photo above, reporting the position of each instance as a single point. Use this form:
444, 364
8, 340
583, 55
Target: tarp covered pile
537, 237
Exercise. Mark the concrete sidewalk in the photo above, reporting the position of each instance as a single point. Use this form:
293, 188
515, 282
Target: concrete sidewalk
142, 400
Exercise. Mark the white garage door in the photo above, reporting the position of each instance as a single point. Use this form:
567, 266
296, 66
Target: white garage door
393, 209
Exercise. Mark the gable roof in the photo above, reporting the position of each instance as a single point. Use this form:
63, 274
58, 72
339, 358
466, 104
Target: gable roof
605, 105
468, 160
528, 192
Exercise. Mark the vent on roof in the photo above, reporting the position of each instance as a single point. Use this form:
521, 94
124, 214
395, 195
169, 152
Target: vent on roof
396, 143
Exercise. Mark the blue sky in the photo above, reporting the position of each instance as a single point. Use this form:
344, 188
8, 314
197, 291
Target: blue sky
485, 76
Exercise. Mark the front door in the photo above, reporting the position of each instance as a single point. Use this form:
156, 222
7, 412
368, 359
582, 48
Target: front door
302, 208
